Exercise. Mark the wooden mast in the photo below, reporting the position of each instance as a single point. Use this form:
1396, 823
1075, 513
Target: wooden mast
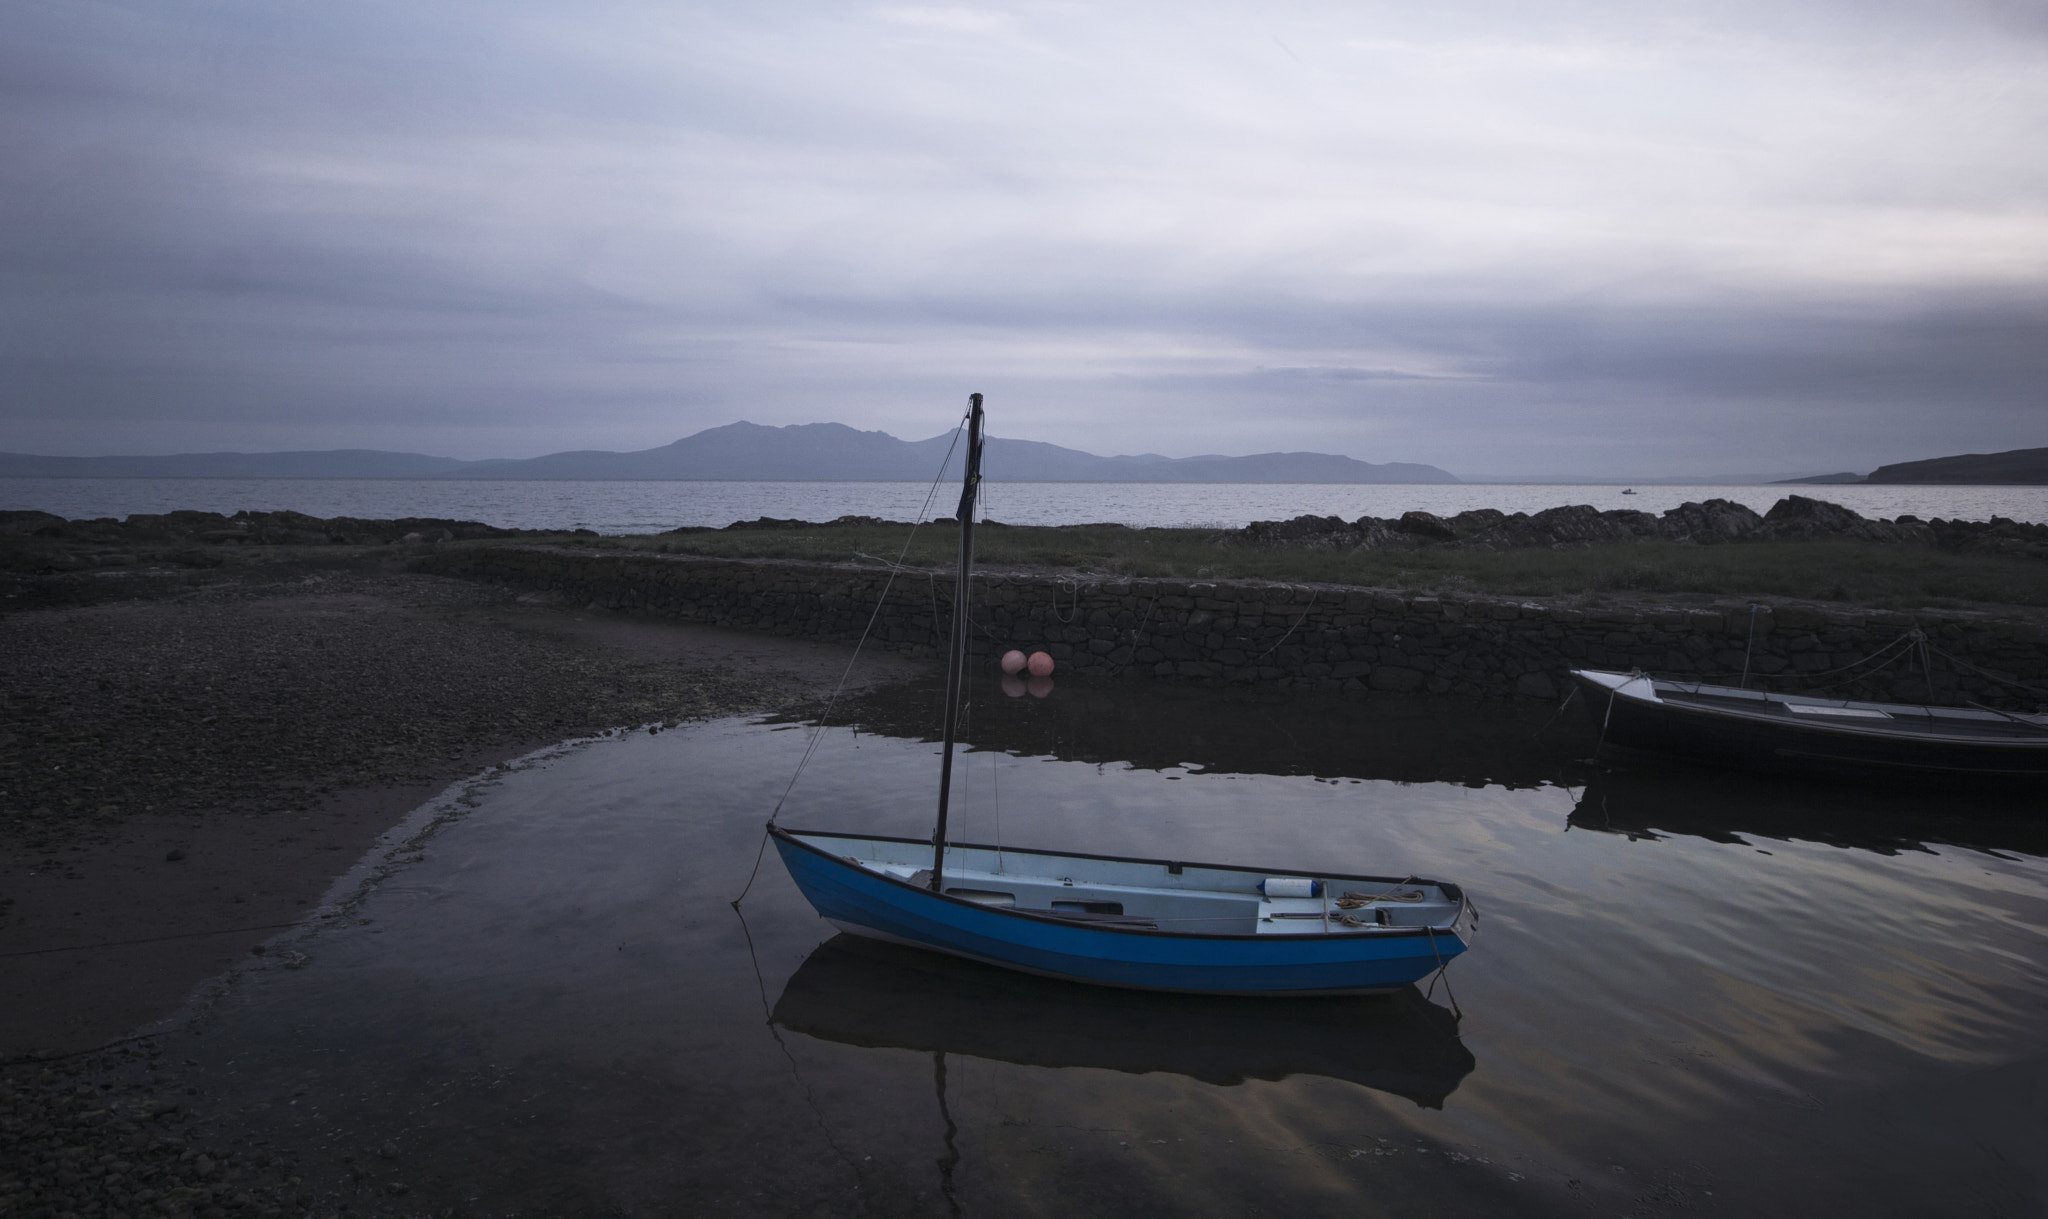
956, 660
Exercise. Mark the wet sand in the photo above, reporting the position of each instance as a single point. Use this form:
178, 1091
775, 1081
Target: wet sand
186, 769
540, 1003
183, 777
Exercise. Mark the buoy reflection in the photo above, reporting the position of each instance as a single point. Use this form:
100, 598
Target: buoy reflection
1018, 687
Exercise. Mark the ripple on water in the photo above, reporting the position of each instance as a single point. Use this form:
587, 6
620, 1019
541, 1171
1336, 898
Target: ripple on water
1737, 1013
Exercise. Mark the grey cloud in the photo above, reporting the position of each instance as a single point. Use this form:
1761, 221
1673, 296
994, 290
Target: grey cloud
501, 229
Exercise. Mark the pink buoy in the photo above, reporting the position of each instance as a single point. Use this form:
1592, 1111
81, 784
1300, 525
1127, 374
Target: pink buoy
1013, 661
1040, 664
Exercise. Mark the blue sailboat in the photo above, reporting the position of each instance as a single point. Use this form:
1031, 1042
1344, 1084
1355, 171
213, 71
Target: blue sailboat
1149, 924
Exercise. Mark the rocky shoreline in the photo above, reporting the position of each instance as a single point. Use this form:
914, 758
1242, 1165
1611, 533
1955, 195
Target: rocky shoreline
189, 758
1795, 518
196, 539
209, 717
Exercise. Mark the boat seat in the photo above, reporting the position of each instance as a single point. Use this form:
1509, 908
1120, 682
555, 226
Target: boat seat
1085, 916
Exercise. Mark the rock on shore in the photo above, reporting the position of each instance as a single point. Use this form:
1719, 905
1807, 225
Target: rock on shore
74, 1142
1716, 521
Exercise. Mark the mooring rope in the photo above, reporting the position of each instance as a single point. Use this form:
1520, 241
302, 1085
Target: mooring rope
1967, 666
1443, 975
889, 563
1138, 631
818, 733
1568, 697
796, 1073
1608, 718
1912, 636
1313, 594
1074, 608
1750, 646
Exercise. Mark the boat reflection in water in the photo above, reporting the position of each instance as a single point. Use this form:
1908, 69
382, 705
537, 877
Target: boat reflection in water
1654, 799
866, 993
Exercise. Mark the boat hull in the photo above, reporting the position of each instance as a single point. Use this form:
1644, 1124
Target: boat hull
1631, 718
865, 903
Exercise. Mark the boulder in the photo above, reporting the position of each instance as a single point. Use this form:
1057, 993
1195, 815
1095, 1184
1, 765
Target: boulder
1717, 520
1307, 532
29, 522
1474, 520
1574, 525
1796, 517
1426, 525
1376, 534
772, 522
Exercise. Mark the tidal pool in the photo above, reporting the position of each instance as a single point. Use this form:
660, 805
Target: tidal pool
1689, 991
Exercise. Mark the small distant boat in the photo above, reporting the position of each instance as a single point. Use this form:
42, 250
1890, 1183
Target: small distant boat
1799, 734
1628, 490
1146, 924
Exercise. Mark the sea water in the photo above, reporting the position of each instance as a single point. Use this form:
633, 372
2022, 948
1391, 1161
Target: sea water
620, 507
1685, 995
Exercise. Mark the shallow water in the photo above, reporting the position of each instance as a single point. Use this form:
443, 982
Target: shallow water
549, 1002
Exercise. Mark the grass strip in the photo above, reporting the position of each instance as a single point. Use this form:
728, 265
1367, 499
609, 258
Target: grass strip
1879, 575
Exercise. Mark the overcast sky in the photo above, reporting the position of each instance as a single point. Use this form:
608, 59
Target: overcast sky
1627, 238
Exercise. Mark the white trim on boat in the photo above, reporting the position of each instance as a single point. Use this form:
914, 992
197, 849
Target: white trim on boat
1867, 713
1633, 685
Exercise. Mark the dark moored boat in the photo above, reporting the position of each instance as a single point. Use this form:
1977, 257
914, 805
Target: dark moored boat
1794, 733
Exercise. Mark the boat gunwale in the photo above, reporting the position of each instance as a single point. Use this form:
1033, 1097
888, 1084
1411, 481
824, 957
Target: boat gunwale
1354, 935
1908, 730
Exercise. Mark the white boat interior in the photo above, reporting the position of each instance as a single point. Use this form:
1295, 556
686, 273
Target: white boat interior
1904, 717
1155, 896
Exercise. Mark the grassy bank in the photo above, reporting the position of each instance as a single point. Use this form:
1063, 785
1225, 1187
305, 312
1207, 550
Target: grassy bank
37, 571
1874, 574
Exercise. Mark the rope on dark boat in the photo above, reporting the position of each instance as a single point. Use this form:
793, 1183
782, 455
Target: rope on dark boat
1912, 636
2017, 719
1908, 639
1968, 667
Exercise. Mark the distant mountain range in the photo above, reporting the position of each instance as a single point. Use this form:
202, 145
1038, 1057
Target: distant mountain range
2014, 467
747, 451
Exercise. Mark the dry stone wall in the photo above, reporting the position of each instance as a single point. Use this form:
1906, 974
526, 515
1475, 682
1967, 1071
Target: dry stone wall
1327, 637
